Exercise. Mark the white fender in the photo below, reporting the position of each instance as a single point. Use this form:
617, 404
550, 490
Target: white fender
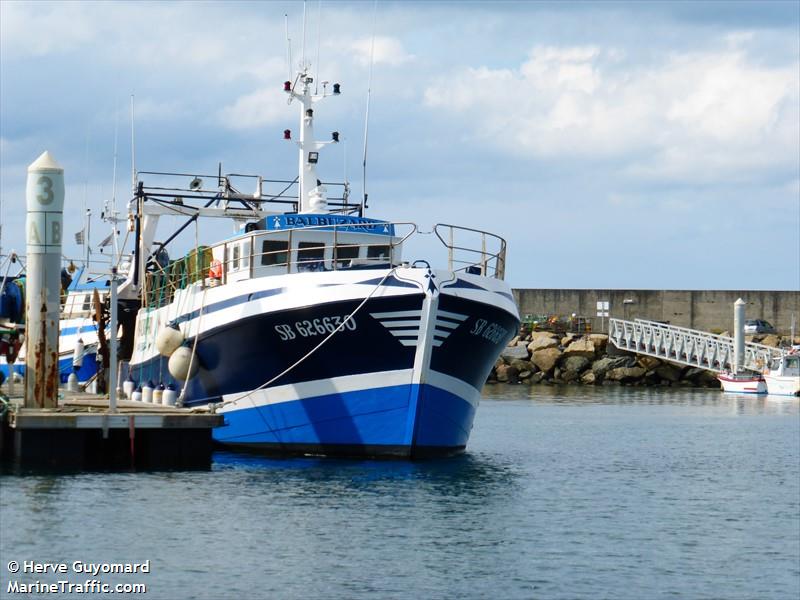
168, 340
179, 364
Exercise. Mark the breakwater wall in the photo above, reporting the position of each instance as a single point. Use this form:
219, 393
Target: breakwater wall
708, 310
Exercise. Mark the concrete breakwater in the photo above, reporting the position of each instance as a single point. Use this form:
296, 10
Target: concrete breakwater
707, 310
549, 357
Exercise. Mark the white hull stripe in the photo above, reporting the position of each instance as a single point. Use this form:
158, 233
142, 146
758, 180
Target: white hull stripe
320, 387
450, 315
396, 324
398, 314
348, 383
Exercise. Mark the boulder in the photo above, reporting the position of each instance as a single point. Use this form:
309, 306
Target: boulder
537, 377
602, 366
580, 347
524, 365
499, 362
589, 378
652, 378
507, 374
577, 364
771, 340
569, 376
525, 375
702, 377
546, 358
513, 352
669, 372
541, 340
625, 374
600, 341
514, 341
648, 362
568, 339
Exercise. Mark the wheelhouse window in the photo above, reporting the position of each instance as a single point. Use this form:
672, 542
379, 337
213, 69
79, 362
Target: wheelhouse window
344, 254
378, 253
246, 254
87, 302
310, 256
236, 253
274, 252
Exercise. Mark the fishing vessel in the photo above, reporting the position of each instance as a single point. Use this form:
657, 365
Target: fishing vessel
312, 329
743, 383
783, 374
78, 339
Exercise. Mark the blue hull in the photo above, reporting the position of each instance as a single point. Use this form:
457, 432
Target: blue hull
369, 415
404, 420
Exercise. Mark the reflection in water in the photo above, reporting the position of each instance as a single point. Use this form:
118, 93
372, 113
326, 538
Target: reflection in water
465, 475
745, 404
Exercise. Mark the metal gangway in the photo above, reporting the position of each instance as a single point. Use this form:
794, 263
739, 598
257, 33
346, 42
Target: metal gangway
687, 346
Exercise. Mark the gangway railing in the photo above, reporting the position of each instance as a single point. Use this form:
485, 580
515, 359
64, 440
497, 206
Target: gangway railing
686, 346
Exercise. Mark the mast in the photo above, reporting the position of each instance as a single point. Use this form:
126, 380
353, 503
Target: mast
311, 197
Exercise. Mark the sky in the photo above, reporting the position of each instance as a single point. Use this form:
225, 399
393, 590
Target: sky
630, 145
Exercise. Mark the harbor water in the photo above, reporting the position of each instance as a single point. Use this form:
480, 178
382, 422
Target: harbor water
565, 492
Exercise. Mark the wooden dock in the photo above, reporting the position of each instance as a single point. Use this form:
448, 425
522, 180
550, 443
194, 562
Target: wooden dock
81, 433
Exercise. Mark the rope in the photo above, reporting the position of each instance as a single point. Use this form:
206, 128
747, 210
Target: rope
179, 402
214, 407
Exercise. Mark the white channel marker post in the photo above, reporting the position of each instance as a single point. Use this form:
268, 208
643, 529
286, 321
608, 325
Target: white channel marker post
738, 335
44, 196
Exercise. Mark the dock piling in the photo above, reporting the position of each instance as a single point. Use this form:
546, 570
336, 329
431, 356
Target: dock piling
44, 194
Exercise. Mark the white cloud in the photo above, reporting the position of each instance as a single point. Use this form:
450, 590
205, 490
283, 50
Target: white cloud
262, 107
39, 29
387, 50
693, 115
149, 109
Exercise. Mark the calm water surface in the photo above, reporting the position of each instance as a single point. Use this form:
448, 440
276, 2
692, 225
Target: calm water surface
564, 493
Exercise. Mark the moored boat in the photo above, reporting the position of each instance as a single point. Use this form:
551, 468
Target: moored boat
309, 329
743, 383
783, 374
78, 339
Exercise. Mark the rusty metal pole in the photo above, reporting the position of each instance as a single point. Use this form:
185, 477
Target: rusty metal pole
45, 200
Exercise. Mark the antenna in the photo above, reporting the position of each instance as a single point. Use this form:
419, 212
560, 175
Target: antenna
133, 150
86, 212
113, 215
366, 114
88, 240
319, 25
303, 64
288, 49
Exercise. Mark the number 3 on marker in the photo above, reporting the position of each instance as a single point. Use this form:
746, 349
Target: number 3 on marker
46, 197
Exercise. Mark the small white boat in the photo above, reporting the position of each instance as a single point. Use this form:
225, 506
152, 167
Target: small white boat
783, 374
743, 383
